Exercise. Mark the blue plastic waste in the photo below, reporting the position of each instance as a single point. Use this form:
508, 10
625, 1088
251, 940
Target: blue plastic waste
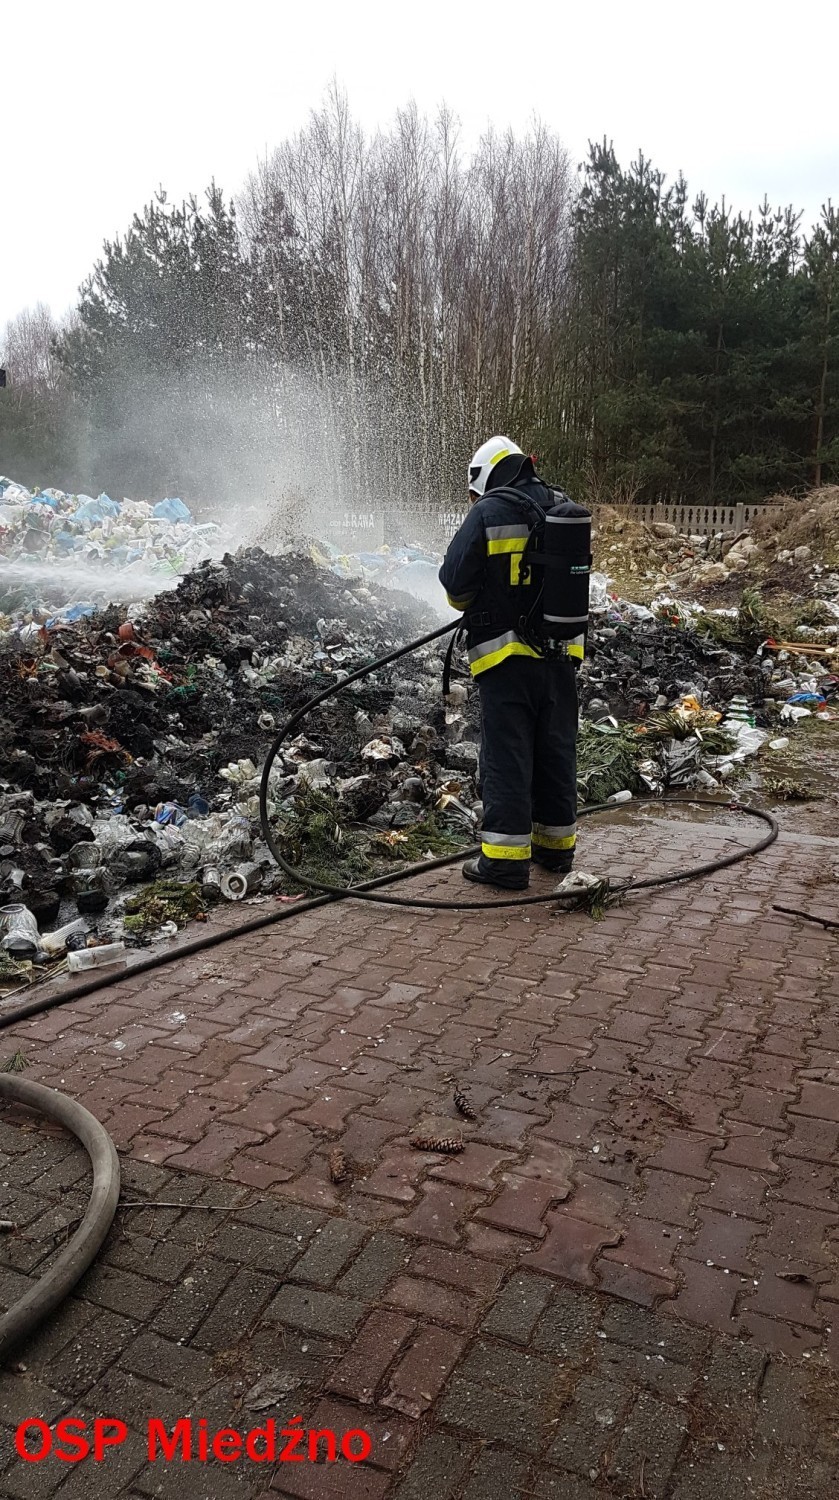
806, 698
72, 613
172, 510
169, 812
92, 511
40, 499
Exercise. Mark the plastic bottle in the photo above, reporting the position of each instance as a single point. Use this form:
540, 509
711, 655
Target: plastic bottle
20, 929
95, 958
620, 797
211, 884
240, 883
739, 710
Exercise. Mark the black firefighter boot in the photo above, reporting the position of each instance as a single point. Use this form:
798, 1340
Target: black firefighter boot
482, 872
558, 861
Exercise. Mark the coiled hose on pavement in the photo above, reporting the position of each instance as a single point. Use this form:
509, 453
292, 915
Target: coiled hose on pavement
26, 1314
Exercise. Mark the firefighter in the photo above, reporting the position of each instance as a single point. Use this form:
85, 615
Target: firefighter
529, 707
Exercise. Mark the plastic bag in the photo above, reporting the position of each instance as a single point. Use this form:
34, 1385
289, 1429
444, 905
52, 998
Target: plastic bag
172, 510
170, 842
598, 597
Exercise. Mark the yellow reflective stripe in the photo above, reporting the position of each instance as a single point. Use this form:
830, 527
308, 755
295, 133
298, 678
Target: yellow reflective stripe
575, 650
505, 453
545, 841
514, 648
505, 544
460, 604
505, 851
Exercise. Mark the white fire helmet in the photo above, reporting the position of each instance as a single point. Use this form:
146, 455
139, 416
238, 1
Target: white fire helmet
483, 462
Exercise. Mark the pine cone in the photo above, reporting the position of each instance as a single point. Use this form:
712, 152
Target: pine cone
449, 1145
464, 1104
339, 1169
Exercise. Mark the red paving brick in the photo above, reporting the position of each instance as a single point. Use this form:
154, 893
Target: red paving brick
374, 1350
657, 1094
423, 1371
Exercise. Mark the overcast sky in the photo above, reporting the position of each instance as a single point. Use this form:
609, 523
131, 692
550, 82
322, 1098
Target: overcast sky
101, 102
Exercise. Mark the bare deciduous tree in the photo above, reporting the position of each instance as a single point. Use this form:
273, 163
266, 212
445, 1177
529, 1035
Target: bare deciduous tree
27, 350
431, 283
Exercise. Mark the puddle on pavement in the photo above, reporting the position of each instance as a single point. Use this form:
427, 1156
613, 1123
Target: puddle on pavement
710, 808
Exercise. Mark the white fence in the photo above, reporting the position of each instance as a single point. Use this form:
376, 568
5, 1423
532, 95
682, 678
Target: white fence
368, 530
697, 520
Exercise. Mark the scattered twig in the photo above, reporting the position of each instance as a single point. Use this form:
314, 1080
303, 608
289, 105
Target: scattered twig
672, 1109
217, 1208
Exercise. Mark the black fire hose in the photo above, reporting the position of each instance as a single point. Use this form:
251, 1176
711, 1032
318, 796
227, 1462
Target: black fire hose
68, 1268
365, 892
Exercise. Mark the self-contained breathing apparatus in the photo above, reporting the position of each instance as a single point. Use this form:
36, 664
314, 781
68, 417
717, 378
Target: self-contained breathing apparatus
557, 558
559, 549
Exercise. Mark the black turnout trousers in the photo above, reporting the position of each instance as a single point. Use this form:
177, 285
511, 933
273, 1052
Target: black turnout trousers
528, 769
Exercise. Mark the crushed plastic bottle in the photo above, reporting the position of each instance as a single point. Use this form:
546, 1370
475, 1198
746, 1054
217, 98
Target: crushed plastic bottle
96, 958
20, 931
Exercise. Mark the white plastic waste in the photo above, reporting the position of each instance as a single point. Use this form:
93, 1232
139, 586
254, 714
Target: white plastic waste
95, 958
598, 596
54, 943
386, 748
792, 712
237, 884
578, 880
20, 930
316, 773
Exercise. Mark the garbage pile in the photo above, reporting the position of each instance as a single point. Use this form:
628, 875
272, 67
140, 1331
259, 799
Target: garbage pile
130, 748
63, 556
675, 695
790, 551
132, 736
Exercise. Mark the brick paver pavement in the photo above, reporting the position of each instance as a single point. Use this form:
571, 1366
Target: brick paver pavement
647, 1196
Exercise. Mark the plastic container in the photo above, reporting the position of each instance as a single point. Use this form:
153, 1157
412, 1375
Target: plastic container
85, 856
54, 943
620, 797
211, 884
739, 710
95, 958
20, 930
238, 884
